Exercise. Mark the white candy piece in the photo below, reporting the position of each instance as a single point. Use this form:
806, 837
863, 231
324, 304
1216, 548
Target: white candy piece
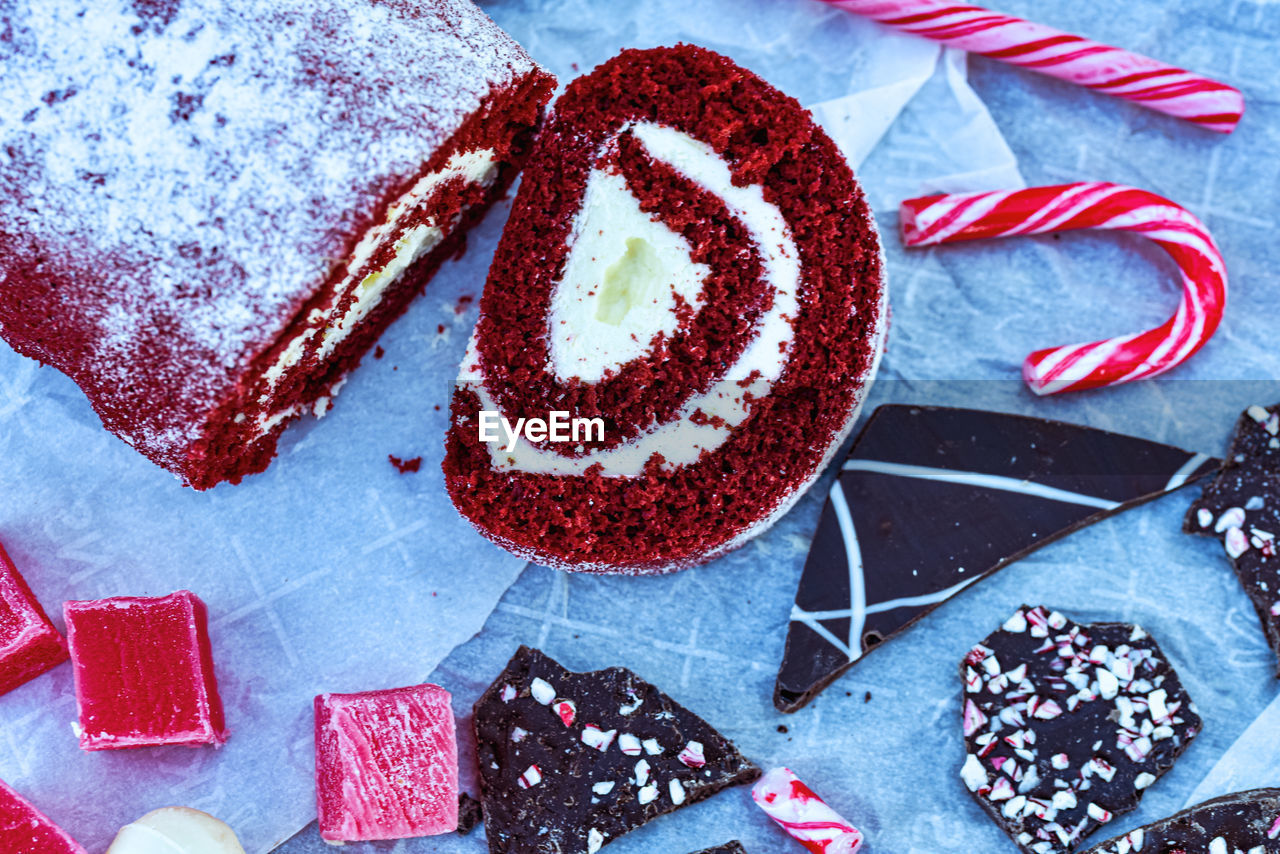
176, 830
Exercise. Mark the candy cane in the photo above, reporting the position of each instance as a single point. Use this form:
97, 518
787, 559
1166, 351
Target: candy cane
801, 813
1106, 69
970, 216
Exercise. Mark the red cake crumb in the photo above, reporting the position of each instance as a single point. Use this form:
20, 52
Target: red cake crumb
668, 515
29, 644
405, 466
378, 352
144, 672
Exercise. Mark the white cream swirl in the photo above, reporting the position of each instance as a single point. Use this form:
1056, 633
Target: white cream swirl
726, 403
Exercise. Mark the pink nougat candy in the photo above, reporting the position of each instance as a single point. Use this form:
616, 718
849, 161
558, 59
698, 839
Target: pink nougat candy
26, 830
29, 644
144, 672
386, 764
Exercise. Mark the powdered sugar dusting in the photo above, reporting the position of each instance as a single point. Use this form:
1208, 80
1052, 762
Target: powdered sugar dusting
190, 172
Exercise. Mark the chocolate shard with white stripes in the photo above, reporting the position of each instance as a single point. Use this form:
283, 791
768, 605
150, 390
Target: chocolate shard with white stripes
571, 761
1241, 507
1240, 823
734, 847
1066, 725
933, 499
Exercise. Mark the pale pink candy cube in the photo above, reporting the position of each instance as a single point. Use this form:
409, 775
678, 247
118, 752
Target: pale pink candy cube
29, 644
144, 672
26, 830
386, 764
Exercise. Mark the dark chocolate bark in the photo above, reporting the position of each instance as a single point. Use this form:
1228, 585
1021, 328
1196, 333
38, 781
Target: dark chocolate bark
469, 814
1246, 823
932, 500
1066, 725
1241, 507
734, 847
571, 761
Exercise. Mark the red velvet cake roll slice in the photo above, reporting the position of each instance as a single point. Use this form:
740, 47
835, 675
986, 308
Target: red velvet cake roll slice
209, 211
682, 319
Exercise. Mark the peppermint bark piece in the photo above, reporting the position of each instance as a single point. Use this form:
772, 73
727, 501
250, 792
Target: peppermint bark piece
1066, 725
934, 499
1241, 507
571, 761
1241, 823
734, 847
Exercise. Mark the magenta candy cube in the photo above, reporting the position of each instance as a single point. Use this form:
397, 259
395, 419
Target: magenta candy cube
386, 764
29, 644
144, 672
26, 830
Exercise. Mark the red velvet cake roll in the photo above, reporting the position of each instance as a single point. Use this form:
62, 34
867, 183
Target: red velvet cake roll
209, 211
686, 309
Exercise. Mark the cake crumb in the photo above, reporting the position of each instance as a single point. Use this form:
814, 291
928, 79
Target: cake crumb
378, 352
463, 301
405, 466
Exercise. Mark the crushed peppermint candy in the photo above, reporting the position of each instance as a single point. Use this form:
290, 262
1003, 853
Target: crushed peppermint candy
692, 755
1060, 718
593, 736
541, 690
566, 710
508, 693
532, 776
629, 744
1235, 542
595, 839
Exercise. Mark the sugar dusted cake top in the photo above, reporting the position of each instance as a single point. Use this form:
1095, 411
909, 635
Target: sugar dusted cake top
178, 176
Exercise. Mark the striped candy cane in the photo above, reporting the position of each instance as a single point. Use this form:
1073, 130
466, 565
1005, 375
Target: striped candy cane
803, 815
971, 216
1106, 69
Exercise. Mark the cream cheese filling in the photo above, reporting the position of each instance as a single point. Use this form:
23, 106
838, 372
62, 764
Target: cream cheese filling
624, 277
680, 441
474, 167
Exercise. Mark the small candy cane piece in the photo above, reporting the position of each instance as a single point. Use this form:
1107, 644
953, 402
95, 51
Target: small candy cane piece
1100, 67
801, 813
970, 216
